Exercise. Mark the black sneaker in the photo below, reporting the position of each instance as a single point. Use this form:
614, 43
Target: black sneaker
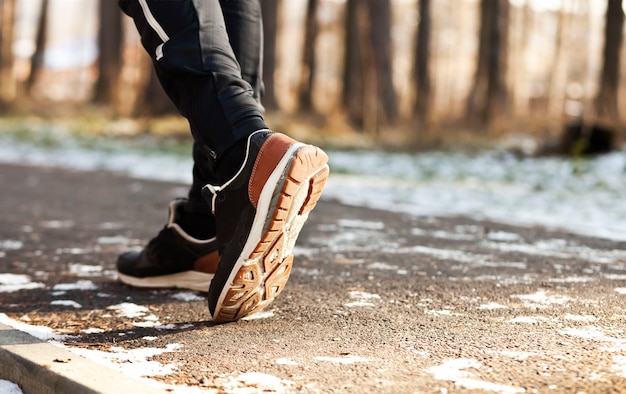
171, 259
259, 213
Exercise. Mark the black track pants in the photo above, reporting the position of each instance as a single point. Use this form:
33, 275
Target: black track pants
207, 55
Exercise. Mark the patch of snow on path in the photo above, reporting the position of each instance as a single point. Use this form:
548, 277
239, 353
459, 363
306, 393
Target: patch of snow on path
578, 195
7, 387
14, 282
454, 370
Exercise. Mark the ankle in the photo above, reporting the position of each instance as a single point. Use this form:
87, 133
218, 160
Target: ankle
197, 223
231, 161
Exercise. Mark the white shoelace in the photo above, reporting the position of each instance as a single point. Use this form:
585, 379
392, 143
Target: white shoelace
214, 190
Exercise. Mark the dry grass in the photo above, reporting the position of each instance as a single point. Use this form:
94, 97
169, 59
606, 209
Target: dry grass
332, 131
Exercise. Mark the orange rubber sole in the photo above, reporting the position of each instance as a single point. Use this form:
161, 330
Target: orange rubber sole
265, 272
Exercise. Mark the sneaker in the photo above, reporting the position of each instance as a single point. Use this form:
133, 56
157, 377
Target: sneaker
259, 214
172, 259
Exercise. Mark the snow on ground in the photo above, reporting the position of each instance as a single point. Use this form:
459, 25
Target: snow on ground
40, 332
576, 195
135, 363
580, 195
7, 387
15, 282
456, 370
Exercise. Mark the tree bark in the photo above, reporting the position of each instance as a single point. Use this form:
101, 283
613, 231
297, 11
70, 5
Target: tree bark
152, 99
353, 66
7, 79
37, 60
606, 100
421, 64
558, 73
110, 55
488, 97
382, 57
309, 57
369, 95
269, 9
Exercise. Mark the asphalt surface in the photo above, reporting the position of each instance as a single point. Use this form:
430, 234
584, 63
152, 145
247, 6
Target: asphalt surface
377, 302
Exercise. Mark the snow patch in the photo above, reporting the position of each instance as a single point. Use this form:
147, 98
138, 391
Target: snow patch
80, 285
84, 270
7, 387
382, 266
188, 296
454, 370
255, 382
572, 279
307, 271
110, 226
441, 234
529, 320
75, 251
9, 244
580, 318
92, 330
40, 332
132, 362
504, 236
57, 224
444, 254
554, 191
15, 282
492, 306
361, 299
259, 315
69, 303
443, 312
541, 298
361, 224
115, 240
134, 311
619, 365
595, 333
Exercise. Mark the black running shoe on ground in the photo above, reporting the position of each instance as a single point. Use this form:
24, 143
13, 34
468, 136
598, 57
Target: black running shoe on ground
259, 213
172, 259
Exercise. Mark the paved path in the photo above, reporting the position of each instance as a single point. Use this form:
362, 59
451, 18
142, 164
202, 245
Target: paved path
377, 302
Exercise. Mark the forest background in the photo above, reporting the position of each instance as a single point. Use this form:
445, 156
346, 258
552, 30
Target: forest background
404, 74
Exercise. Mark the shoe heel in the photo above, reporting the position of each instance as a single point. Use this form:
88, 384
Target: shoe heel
266, 269
308, 160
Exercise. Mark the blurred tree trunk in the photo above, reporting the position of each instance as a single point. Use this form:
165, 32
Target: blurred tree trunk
269, 9
110, 53
606, 100
7, 79
421, 64
487, 101
308, 57
382, 57
37, 60
520, 102
152, 100
353, 66
369, 94
556, 79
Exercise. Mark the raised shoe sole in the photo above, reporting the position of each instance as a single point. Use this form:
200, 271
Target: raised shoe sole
263, 268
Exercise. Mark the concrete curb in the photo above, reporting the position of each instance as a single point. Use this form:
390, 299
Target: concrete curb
40, 367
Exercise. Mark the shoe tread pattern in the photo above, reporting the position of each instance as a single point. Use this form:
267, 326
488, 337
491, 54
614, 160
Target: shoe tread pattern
267, 271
